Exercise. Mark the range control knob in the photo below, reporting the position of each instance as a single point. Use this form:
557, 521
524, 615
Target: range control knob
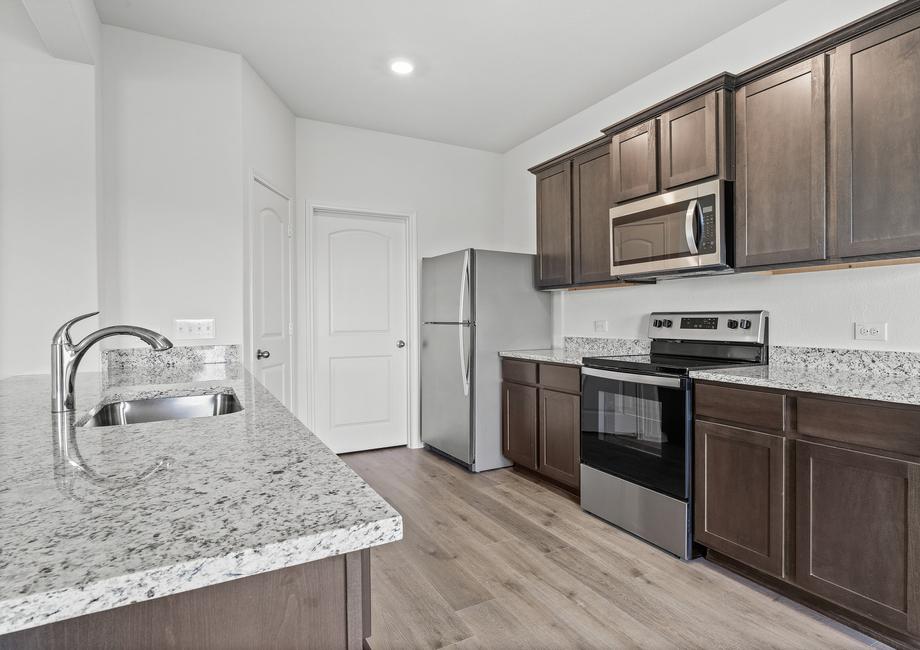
656, 323
667, 322
745, 324
732, 324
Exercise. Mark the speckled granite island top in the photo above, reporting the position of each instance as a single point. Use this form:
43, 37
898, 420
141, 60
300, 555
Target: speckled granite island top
116, 515
901, 389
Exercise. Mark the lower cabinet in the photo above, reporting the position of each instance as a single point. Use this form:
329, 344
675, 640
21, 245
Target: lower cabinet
519, 424
858, 532
541, 419
830, 506
739, 504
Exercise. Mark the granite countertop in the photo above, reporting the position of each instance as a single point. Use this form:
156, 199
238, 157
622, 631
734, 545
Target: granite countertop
131, 513
549, 355
901, 389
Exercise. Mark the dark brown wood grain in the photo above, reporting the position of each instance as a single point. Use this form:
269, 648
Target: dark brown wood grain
564, 378
690, 142
554, 226
739, 498
855, 531
634, 162
313, 605
519, 423
747, 407
591, 202
560, 436
523, 372
880, 426
876, 104
780, 141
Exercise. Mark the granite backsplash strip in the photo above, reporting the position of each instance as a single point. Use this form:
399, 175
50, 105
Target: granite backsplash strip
179, 356
860, 362
592, 346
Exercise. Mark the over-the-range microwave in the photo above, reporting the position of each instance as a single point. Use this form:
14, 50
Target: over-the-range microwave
675, 234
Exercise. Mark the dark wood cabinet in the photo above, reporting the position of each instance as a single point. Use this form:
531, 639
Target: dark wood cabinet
554, 226
858, 532
690, 141
519, 423
560, 431
875, 99
825, 507
780, 177
634, 162
739, 502
591, 204
541, 418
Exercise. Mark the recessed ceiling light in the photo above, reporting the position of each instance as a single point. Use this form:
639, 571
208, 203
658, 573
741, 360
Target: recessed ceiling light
402, 67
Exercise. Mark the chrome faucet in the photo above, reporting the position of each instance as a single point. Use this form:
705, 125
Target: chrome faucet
66, 356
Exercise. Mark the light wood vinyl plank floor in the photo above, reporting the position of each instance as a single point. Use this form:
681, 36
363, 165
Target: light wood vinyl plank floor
500, 560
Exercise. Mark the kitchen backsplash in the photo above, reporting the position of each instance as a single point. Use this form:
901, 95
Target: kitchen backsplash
214, 362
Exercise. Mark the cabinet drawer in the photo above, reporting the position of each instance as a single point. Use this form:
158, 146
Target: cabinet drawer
753, 408
524, 372
888, 428
567, 378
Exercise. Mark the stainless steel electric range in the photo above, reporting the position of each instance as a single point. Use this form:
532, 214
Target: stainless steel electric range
637, 421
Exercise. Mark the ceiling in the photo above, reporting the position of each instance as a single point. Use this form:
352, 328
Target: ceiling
489, 73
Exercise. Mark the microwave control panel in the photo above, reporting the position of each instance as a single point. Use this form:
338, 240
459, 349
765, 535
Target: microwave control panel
707, 236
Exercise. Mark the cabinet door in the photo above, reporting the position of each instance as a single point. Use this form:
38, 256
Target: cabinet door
858, 532
876, 129
591, 215
780, 176
634, 162
740, 503
690, 142
519, 424
560, 436
554, 226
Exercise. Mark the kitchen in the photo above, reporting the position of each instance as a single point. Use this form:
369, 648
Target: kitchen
286, 428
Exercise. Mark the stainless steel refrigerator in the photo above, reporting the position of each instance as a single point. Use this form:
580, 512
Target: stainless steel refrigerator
475, 303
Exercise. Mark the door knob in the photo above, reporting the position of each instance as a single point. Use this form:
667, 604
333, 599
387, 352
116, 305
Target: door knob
400, 343
263, 354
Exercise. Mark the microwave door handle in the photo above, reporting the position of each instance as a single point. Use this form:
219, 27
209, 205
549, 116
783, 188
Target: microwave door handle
689, 227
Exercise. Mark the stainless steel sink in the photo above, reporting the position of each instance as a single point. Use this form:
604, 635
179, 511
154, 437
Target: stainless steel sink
163, 408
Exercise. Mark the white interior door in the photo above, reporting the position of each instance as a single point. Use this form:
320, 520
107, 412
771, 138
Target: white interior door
271, 291
360, 329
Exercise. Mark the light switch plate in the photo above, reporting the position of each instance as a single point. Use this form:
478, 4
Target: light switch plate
870, 331
194, 328
600, 326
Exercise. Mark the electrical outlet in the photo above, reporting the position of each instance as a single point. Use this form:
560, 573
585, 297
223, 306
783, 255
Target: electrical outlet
600, 326
194, 328
870, 331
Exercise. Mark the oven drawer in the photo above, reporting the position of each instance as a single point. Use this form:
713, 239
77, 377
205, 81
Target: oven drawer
753, 408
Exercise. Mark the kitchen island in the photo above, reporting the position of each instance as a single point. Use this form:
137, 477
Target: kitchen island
237, 529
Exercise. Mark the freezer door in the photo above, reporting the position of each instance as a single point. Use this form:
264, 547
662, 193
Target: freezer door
446, 288
447, 396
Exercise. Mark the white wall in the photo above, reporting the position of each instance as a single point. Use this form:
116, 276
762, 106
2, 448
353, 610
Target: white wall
47, 194
173, 230
808, 309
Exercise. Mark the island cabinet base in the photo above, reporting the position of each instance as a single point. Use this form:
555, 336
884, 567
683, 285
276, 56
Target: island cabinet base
321, 604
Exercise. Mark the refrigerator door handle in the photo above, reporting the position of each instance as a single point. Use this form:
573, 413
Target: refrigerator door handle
464, 360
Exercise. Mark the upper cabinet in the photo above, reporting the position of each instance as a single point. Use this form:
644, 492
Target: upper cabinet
875, 98
634, 162
684, 139
591, 215
554, 226
780, 140
573, 217
690, 141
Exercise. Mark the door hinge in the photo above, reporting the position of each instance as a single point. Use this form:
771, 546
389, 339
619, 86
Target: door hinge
290, 329
290, 230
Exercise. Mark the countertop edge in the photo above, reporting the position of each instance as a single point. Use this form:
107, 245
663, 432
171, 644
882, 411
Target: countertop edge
524, 355
111, 593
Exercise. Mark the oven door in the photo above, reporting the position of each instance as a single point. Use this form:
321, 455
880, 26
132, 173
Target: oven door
675, 232
637, 427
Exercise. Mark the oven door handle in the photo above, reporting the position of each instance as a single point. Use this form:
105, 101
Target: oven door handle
689, 226
628, 377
